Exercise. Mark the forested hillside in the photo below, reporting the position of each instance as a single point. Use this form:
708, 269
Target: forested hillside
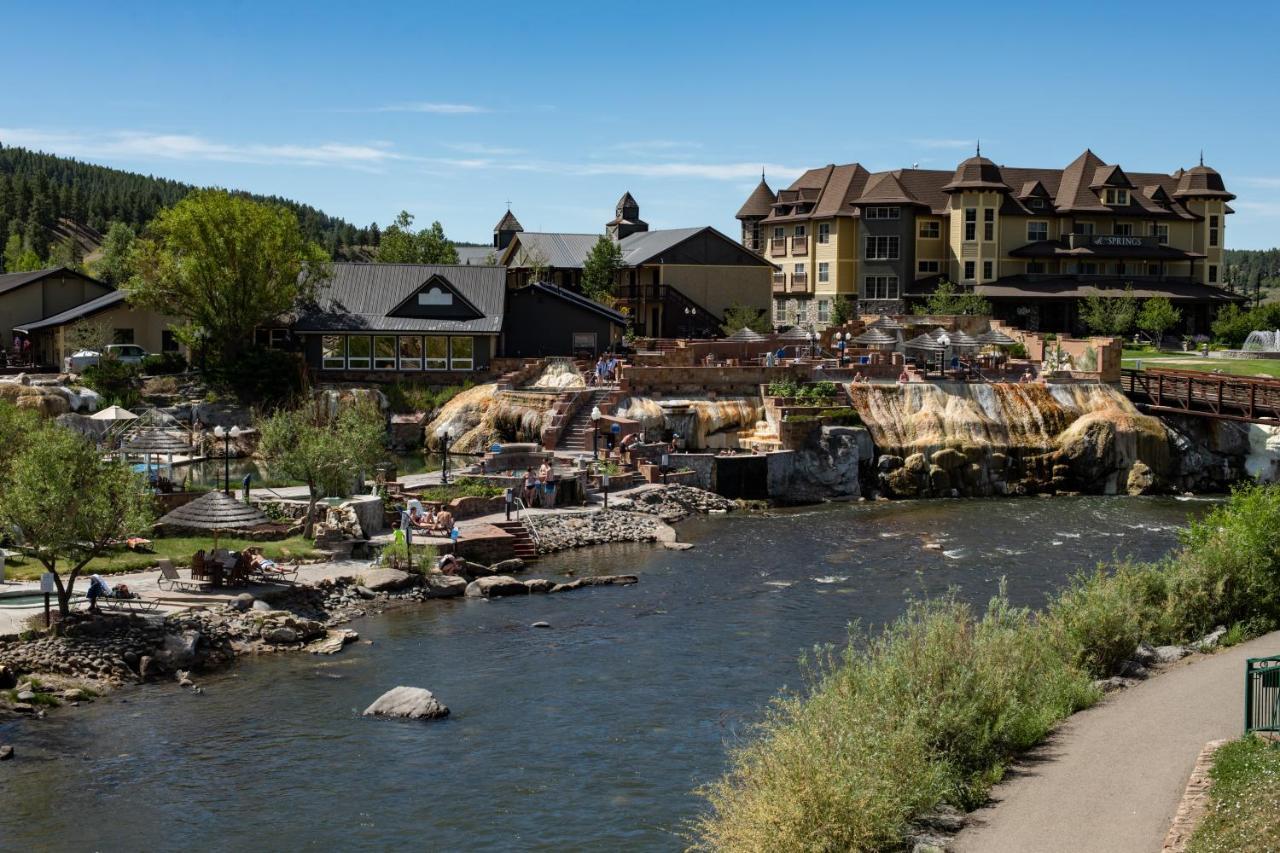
60, 208
1246, 269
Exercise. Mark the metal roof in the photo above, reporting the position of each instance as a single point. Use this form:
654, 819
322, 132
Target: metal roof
574, 298
359, 297
570, 251
559, 250
474, 255
86, 309
14, 280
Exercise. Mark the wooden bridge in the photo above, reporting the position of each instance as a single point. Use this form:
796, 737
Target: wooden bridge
1208, 395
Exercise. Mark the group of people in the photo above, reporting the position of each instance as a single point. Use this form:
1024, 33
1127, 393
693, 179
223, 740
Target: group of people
431, 522
606, 370
539, 489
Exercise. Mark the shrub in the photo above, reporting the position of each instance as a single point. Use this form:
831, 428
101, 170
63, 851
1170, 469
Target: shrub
164, 363
159, 386
259, 375
116, 381
467, 487
407, 397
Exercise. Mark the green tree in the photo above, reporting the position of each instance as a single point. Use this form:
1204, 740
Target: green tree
114, 266
948, 300
66, 504
401, 245
842, 311
434, 247
67, 253
16, 427
1158, 316
326, 453
1109, 314
1233, 323
19, 257
226, 265
738, 316
600, 270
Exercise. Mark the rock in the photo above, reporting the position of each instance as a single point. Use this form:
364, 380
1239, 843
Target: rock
1141, 479
1170, 654
282, 635
540, 625
539, 585
889, 463
1110, 685
495, 587
677, 546
146, 667
333, 642
944, 818
932, 546
242, 602
262, 606
6, 752
384, 580
507, 567
184, 679
1211, 640
413, 703
179, 651
8, 678
1144, 654
472, 571
26, 696
602, 580
439, 585
1133, 669
365, 593
75, 694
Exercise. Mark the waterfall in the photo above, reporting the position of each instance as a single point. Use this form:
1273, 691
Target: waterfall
558, 374
465, 418
702, 423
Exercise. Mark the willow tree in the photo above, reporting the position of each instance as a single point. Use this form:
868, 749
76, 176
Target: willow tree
226, 265
66, 505
324, 452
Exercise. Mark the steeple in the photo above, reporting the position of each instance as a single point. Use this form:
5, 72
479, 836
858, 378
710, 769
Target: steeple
506, 230
627, 221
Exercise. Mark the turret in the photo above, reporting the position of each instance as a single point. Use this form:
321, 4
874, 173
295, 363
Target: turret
627, 221
506, 230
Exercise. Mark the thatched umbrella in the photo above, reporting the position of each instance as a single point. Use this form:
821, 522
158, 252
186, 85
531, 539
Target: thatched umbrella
884, 321
876, 337
156, 441
997, 338
216, 511
747, 335
962, 340
925, 342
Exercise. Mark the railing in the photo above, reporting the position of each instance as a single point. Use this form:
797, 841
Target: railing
1262, 694
779, 282
1189, 392
777, 247
799, 245
799, 282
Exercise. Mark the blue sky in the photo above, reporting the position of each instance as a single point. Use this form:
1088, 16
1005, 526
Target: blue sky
450, 112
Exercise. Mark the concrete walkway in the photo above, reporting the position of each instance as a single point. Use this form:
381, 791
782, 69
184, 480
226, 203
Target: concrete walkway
1111, 778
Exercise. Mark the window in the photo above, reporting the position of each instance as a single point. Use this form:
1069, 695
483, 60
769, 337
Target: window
1213, 232
1116, 196
824, 232
411, 353
880, 287
882, 212
1162, 234
1082, 228
779, 311
358, 351
1213, 274
1037, 204
384, 352
1037, 231
1122, 229
1035, 267
824, 271
930, 229
970, 223
988, 270
1121, 269
801, 231
970, 270
168, 341
1088, 268
333, 352
123, 336
435, 296
928, 266
824, 310
882, 248
779, 232
461, 353
799, 269
437, 353
989, 224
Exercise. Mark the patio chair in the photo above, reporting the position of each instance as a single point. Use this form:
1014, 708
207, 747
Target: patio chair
269, 570
130, 605
200, 568
170, 580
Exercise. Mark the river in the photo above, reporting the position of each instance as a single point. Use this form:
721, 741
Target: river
589, 735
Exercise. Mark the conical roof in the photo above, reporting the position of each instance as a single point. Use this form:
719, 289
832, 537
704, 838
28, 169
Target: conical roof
216, 511
508, 222
976, 173
995, 337
962, 340
746, 334
875, 337
924, 342
759, 203
884, 321
1201, 182
113, 413
156, 441
795, 333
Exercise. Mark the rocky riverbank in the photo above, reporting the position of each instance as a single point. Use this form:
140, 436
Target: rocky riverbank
643, 516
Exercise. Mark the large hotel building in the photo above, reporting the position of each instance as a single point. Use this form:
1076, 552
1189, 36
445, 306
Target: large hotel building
1032, 241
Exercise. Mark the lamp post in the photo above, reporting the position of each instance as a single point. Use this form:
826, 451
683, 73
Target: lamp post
443, 435
839, 338
595, 431
689, 314
226, 436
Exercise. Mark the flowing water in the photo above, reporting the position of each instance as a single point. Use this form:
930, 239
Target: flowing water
589, 735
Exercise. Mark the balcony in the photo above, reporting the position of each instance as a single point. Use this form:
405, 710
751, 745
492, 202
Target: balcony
779, 283
800, 282
777, 247
799, 245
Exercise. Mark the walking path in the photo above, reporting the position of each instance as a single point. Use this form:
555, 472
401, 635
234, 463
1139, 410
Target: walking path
1111, 778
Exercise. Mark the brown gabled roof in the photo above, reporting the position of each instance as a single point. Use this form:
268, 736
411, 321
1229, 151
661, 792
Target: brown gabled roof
759, 203
1073, 191
831, 190
1201, 182
508, 222
846, 184
887, 188
1110, 176
977, 173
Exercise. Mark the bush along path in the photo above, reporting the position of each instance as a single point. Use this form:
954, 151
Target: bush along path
904, 730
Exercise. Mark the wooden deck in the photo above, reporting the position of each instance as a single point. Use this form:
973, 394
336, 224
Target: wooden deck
1209, 395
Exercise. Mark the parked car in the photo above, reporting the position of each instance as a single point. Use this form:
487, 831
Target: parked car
124, 353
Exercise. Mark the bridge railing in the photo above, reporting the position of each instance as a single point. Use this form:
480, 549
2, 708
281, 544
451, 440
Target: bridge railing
1262, 695
1194, 392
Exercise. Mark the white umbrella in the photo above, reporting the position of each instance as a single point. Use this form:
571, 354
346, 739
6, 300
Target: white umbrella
114, 413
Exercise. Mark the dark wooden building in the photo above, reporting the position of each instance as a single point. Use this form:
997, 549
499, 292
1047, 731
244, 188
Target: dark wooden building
543, 319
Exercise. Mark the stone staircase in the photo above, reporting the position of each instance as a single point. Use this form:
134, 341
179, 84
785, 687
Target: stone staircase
525, 548
576, 435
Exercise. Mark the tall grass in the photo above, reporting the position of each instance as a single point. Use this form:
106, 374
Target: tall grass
933, 708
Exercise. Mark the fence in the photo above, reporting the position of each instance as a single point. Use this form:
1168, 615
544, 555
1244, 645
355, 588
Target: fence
1262, 695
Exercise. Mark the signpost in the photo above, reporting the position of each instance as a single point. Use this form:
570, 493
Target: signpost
47, 586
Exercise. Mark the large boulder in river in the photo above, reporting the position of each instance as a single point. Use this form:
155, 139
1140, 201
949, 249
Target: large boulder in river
383, 580
440, 585
496, 586
411, 703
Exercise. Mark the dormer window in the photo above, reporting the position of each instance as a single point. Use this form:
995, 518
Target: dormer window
1117, 196
1037, 204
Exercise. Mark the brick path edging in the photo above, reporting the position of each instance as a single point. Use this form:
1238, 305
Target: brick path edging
1195, 800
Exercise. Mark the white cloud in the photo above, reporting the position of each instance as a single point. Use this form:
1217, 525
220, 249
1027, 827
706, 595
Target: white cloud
429, 107
655, 146
704, 171
484, 149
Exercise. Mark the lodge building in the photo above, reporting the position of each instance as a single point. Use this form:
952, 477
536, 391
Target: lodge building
1034, 242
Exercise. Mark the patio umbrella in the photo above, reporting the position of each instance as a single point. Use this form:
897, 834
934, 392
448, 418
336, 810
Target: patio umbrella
961, 340
924, 342
995, 337
795, 333
746, 334
884, 321
113, 413
156, 441
876, 337
215, 511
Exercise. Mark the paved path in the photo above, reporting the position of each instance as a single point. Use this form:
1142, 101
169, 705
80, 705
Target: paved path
1111, 778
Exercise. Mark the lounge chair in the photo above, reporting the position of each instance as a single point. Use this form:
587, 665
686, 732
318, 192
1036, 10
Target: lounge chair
170, 579
132, 605
270, 573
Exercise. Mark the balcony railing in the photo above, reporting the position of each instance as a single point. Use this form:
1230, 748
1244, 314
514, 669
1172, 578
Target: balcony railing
799, 245
779, 282
777, 247
799, 282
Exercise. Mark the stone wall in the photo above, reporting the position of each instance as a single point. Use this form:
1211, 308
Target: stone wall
706, 381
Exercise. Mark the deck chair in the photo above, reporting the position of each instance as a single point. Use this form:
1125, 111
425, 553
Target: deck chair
170, 580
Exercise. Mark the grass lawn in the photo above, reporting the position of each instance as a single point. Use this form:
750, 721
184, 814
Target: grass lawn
1191, 361
179, 549
1244, 802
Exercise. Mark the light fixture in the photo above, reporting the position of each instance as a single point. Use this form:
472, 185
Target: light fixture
596, 413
